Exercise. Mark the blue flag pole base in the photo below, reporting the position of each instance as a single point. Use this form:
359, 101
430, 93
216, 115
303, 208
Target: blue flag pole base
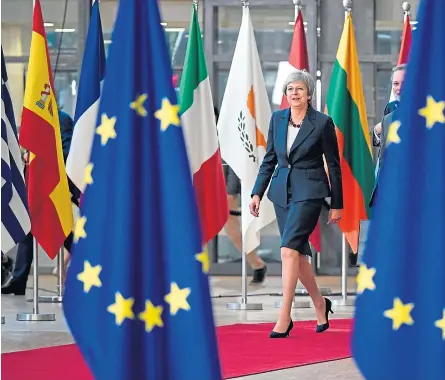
35, 316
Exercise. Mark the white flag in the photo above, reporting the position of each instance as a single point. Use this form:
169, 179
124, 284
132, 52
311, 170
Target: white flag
243, 128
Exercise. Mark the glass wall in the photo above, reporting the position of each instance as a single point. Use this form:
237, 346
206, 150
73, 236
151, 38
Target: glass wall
273, 28
61, 25
66, 23
388, 33
378, 26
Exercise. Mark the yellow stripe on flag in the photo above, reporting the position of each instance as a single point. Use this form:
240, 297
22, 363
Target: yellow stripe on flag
347, 58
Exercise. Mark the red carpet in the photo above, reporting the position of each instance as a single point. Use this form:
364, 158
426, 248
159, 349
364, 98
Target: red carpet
245, 349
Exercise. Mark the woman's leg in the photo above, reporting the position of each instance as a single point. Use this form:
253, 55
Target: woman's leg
290, 271
233, 230
307, 278
66, 260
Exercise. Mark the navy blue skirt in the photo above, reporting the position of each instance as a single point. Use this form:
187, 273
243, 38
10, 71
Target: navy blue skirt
296, 222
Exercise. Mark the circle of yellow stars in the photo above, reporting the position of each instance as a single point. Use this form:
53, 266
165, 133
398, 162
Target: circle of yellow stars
168, 115
122, 308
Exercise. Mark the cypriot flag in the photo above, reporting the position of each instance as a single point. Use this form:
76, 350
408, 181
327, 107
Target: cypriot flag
243, 128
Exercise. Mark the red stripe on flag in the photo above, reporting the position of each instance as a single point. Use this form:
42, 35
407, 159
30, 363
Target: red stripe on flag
43, 177
210, 189
38, 26
407, 38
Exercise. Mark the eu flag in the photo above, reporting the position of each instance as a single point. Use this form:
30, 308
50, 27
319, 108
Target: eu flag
400, 311
137, 296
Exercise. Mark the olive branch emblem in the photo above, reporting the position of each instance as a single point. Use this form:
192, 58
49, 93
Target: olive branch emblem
245, 137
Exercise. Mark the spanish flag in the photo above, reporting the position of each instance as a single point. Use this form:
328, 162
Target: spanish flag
345, 103
48, 193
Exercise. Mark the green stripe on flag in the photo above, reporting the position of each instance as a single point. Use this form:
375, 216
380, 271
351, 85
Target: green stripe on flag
346, 117
195, 68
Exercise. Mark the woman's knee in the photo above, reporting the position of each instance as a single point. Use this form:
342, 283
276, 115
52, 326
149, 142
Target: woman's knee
289, 254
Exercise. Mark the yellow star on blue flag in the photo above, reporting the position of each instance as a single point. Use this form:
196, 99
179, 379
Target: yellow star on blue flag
399, 330
137, 298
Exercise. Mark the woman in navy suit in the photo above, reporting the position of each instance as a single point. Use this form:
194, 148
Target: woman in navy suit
298, 138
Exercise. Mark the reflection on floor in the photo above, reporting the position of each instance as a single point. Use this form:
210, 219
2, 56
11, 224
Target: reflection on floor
16, 336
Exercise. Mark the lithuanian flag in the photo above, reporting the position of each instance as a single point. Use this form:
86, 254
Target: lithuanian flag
345, 103
48, 193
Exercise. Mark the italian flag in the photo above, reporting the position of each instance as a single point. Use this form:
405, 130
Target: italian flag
345, 103
199, 124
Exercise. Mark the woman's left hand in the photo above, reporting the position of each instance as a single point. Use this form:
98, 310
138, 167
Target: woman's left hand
334, 216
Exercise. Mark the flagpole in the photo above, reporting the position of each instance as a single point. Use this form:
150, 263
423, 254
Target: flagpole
60, 281
406, 6
298, 290
35, 315
44, 299
297, 4
344, 301
243, 304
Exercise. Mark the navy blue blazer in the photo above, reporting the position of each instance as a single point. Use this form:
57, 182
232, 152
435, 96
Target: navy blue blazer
303, 171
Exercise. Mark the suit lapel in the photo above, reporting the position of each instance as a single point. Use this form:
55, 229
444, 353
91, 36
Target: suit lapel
306, 129
283, 130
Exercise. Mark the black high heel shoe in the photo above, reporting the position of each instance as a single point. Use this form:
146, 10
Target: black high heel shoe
275, 334
325, 326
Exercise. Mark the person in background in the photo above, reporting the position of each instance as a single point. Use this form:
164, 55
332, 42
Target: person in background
381, 129
397, 77
298, 139
233, 225
24, 257
7, 264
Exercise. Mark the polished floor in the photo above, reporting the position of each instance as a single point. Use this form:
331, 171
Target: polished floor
16, 336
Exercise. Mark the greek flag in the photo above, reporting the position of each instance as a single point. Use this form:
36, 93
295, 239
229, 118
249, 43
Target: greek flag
15, 217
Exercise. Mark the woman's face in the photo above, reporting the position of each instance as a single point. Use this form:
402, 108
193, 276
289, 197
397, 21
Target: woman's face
297, 94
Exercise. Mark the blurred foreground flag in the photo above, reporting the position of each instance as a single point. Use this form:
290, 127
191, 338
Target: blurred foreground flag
137, 296
400, 314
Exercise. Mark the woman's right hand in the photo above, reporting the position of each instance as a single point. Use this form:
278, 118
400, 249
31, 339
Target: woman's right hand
255, 206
